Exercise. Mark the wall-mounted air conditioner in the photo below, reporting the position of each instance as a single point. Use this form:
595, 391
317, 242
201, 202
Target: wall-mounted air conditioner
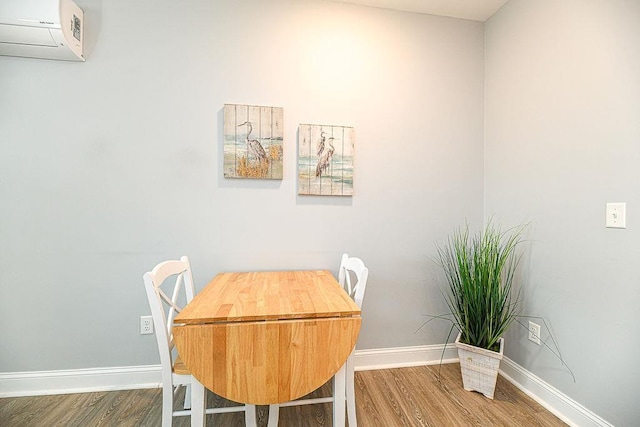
48, 29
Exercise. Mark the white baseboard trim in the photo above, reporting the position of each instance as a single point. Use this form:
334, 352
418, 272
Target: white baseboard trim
556, 402
40, 383
16, 384
402, 357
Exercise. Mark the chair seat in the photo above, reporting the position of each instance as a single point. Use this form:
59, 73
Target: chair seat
179, 367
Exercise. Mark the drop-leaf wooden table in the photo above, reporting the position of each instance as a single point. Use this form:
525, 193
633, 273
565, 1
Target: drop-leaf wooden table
268, 337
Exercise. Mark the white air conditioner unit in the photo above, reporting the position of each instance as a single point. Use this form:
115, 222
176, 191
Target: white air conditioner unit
48, 29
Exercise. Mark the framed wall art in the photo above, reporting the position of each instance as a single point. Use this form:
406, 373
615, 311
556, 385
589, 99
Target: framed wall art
325, 160
252, 141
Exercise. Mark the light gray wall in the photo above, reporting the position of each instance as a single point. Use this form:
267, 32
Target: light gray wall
110, 166
562, 139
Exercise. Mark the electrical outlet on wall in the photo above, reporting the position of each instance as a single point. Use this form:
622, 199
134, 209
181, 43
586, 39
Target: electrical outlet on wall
146, 325
534, 332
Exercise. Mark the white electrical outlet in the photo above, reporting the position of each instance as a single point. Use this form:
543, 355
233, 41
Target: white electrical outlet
146, 325
534, 332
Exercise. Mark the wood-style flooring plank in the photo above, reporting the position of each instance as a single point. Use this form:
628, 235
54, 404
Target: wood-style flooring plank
405, 397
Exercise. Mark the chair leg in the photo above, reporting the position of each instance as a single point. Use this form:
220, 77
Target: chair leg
187, 397
351, 392
274, 415
198, 403
250, 415
167, 405
339, 397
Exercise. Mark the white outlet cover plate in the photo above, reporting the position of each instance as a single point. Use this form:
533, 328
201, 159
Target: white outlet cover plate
616, 215
534, 332
146, 325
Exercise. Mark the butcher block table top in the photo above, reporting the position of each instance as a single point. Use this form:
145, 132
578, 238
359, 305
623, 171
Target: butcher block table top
267, 337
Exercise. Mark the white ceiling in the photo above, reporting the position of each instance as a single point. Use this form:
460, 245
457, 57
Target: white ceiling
476, 10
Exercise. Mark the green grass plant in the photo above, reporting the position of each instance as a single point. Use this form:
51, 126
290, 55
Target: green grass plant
480, 271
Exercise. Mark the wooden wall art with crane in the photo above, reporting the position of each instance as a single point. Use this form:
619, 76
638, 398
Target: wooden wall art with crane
252, 141
325, 160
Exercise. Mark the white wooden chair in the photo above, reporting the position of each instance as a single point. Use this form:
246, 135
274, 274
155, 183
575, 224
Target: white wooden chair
174, 372
352, 276
350, 267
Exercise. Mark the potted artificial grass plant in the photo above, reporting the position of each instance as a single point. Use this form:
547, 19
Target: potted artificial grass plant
480, 270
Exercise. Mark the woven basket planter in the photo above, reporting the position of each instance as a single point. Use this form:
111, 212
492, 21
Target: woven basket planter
479, 367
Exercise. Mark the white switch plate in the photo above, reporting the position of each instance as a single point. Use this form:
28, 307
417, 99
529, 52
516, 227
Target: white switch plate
616, 215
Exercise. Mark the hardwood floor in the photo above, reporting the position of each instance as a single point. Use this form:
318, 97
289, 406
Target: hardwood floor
385, 398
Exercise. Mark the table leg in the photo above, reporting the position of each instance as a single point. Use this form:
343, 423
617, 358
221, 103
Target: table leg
198, 403
351, 391
339, 397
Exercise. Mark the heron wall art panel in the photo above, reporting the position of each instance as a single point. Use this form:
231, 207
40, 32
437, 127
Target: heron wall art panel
252, 142
325, 160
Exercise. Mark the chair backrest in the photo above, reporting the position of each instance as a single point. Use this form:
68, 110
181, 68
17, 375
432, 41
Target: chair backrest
165, 308
353, 266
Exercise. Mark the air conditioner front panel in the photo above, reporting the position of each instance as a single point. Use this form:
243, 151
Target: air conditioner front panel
30, 12
43, 52
18, 34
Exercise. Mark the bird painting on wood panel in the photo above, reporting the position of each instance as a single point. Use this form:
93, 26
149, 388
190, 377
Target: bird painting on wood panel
325, 160
253, 138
